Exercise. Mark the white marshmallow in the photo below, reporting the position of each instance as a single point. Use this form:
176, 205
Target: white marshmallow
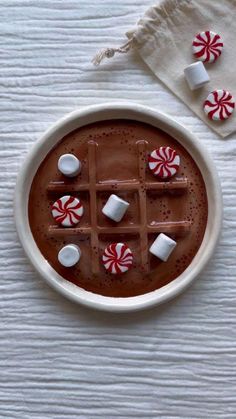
69, 165
69, 255
196, 75
162, 247
115, 208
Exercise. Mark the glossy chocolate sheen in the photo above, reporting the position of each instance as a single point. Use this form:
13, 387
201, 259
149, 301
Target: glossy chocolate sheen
114, 153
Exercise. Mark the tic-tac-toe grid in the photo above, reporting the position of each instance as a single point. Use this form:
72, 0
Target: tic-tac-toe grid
142, 186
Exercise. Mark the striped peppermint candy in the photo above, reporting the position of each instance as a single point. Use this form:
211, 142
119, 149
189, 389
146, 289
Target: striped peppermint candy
117, 258
207, 46
67, 211
219, 105
164, 162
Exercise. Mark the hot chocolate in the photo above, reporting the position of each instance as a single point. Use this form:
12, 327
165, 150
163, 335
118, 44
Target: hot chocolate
114, 156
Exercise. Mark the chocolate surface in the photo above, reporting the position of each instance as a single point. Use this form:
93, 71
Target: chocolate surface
114, 160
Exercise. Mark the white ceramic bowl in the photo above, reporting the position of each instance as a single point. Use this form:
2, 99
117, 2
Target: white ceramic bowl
118, 111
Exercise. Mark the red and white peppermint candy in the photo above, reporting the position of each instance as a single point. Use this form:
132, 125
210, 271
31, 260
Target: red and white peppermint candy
117, 258
164, 162
67, 211
219, 105
207, 46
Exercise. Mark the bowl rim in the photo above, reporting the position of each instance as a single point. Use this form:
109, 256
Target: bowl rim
118, 110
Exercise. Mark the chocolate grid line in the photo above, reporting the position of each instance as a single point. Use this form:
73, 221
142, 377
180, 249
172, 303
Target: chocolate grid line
142, 229
93, 205
62, 187
142, 204
179, 228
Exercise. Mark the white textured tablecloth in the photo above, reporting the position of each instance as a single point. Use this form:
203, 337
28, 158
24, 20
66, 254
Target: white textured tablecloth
57, 359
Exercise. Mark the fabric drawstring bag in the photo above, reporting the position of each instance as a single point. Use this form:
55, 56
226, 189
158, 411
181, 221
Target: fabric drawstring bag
163, 39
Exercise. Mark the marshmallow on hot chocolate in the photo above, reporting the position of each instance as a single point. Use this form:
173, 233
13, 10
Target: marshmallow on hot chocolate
69, 165
162, 247
115, 208
69, 255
